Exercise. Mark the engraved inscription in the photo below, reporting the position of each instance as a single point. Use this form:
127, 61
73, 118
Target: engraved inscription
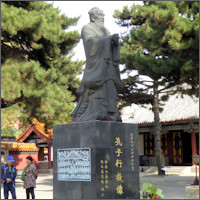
74, 164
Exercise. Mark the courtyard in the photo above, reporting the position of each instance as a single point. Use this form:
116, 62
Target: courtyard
173, 184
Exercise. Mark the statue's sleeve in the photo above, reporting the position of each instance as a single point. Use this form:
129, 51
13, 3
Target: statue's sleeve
96, 46
97, 49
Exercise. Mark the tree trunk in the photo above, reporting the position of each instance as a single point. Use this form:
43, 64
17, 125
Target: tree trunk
157, 130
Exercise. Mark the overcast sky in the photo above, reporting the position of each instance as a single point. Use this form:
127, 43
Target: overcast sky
81, 8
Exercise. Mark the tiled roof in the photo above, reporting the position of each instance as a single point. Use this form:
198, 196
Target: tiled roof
40, 127
3, 146
175, 109
14, 146
23, 132
182, 121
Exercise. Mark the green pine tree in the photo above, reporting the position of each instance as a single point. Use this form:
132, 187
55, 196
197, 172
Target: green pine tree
38, 77
162, 44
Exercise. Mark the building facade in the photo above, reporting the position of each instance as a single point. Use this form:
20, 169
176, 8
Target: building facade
19, 151
179, 142
33, 141
179, 131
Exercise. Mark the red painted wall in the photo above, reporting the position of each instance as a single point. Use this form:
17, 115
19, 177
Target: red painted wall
20, 159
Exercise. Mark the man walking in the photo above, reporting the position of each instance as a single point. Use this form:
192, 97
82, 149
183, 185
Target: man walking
8, 175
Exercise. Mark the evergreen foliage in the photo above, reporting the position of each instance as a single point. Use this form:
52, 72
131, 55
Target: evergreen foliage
37, 73
162, 44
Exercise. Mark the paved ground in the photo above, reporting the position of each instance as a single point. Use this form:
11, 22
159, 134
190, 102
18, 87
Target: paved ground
173, 185
44, 188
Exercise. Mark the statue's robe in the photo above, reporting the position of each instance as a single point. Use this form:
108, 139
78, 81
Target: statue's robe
101, 78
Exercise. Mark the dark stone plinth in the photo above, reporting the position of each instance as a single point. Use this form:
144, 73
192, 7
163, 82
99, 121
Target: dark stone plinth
101, 137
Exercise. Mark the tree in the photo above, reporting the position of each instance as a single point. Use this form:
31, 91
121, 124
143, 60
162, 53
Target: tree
162, 45
10, 132
37, 73
10, 121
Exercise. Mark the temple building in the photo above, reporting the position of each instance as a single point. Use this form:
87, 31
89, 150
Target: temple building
179, 131
19, 151
179, 136
34, 141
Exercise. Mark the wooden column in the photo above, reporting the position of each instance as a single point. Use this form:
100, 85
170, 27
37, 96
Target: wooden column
49, 155
41, 154
194, 144
36, 140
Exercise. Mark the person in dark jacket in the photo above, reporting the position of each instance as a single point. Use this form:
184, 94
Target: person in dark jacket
8, 174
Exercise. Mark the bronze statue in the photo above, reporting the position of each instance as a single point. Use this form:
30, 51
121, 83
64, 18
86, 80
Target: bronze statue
101, 80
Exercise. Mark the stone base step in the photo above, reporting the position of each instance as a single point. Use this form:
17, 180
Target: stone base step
44, 170
192, 191
187, 170
43, 165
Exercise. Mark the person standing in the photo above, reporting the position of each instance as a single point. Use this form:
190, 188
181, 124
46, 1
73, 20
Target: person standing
29, 177
8, 175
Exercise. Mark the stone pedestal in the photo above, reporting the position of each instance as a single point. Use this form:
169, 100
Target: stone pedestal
96, 160
192, 191
42, 167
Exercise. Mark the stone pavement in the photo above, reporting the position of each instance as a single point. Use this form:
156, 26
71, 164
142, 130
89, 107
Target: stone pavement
43, 190
173, 185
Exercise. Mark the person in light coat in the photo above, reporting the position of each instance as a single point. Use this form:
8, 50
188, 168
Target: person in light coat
29, 177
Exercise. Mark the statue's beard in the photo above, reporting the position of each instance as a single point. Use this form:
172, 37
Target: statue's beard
100, 25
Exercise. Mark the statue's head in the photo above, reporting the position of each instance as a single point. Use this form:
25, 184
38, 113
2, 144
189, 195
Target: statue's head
96, 15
